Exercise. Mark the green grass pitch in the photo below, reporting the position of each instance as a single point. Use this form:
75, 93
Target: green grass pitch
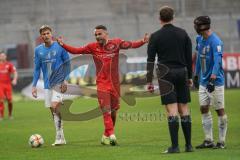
139, 138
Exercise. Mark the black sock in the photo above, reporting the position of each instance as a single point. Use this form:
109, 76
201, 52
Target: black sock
173, 125
186, 127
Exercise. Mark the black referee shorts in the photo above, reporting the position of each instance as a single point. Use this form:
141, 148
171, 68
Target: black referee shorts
179, 92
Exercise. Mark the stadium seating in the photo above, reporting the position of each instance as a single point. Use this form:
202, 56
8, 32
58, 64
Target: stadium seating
128, 19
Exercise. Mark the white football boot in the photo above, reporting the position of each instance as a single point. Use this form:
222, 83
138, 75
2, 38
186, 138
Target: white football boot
105, 140
60, 140
113, 140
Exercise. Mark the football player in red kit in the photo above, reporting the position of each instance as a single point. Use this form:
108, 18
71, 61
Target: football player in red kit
105, 53
6, 70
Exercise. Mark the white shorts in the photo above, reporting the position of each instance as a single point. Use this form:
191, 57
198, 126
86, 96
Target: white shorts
52, 96
216, 98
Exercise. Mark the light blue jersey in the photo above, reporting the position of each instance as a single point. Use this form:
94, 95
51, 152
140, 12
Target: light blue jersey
209, 59
53, 61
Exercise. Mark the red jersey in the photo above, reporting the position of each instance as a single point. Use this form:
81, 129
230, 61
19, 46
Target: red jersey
6, 69
106, 59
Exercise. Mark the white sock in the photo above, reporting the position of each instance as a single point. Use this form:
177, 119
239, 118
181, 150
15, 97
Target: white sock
58, 125
222, 127
207, 123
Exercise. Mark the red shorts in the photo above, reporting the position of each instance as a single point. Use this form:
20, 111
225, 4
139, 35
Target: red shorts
108, 99
6, 91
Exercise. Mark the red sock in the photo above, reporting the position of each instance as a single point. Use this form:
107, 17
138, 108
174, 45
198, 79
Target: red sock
1, 109
108, 123
10, 106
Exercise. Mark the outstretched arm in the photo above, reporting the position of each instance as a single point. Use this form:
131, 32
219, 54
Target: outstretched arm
74, 50
134, 44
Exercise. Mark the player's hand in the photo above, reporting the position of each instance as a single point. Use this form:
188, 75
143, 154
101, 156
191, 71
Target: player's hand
190, 82
34, 92
60, 40
63, 87
146, 38
14, 82
150, 87
211, 86
196, 82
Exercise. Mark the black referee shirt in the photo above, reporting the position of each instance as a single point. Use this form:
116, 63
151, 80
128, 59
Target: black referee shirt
173, 48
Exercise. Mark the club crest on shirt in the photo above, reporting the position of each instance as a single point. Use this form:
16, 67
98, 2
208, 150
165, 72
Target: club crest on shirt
110, 47
51, 54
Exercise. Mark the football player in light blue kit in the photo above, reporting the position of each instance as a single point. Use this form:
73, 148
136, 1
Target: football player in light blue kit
50, 57
209, 73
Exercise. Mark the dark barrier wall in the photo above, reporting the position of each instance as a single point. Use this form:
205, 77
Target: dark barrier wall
134, 72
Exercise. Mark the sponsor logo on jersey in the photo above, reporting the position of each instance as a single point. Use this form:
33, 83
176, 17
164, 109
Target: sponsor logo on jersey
219, 48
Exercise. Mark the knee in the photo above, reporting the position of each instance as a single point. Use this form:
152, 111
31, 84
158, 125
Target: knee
172, 109
220, 112
172, 113
54, 104
204, 109
106, 109
113, 112
9, 102
183, 111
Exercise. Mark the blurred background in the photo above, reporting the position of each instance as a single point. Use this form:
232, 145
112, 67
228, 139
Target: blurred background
127, 19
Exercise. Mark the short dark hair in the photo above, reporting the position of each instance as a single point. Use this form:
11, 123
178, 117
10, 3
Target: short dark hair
45, 27
202, 23
201, 20
166, 14
101, 27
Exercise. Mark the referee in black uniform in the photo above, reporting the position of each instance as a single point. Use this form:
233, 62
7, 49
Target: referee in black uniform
173, 48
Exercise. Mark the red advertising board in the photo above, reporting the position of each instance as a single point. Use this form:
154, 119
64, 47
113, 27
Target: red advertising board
231, 61
231, 65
